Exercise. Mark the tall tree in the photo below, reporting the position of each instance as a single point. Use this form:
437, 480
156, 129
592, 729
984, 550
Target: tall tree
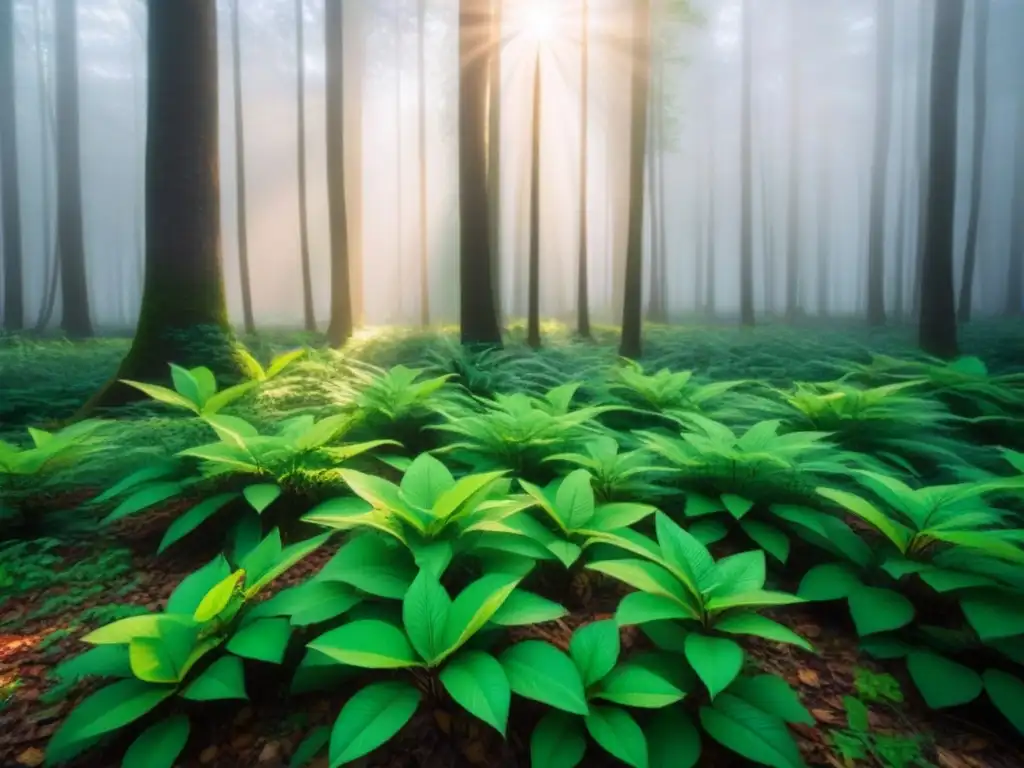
494, 147
981, 24
746, 170
183, 318
477, 312
656, 307
1014, 304
10, 188
399, 187
582, 265
340, 329
631, 344
885, 21
795, 145
354, 33
308, 309
824, 264
924, 57
533, 290
421, 75
243, 229
937, 332
47, 143
74, 286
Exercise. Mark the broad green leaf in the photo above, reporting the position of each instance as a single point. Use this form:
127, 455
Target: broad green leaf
231, 429
594, 648
369, 563
262, 557
896, 532
123, 631
643, 575
477, 683
618, 734
157, 471
522, 608
641, 607
289, 556
770, 693
558, 741
475, 606
994, 616
368, 643
226, 396
261, 496
541, 672
425, 481
163, 395
879, 610
635, 685
1007, 693
310, 747
737, 506
759, 598
370, 718
450, 502
101, 661
673, 741
760, 626
144, 498
943, 683
309, 603
736, 574
224, 679
379, 492
690, 559
831, 581
612, 517
186, 385
196, 516
187, 596
750, 732
574, 500
216, 600
425, 611
159, 745
698, 505
771, 539
262, 640
716, 660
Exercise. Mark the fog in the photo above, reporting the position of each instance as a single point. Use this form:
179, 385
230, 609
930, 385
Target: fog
829, 44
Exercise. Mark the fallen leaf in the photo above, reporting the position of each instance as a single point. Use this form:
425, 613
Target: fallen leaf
31, 757
828, 716
270, 751
808, 676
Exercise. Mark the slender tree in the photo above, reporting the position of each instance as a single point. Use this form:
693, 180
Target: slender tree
656, 308
494, 148
533, 290
631, 344
183, 318
795, 167
399, 187
10, 188
981, 24
341, 303
354, 44
885, 20
824, 287
421, 74
240, 208
1014, 305
747, 171
478, 316
923, 57
582, 266
74, 286
937, 331
308, 309
47, 143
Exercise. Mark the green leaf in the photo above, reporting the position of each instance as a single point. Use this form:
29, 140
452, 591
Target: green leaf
943, 683
370, 718
698, 505
224, 679
261, 496
262, 640
760, 626
673, 741
896, 532
123, 631
370, 564
1007, 693
618, 515
291, 555
368, 643
641, 607
771, 539
635, 685
196, 516
216, 600
716, 660
708, 531
475, 606
831, 581
109, 709
185, 384
477, 683
770, 693
594, 648
737, 506
574, 500
463, 491
310, 747
690, 559
879, 610
159, 745
642, 575
750, 732
425, 611
522, 608
541, 672
144, 498
309, 603
618, 734
163, 395
187, 596
994, 616
558, 741
262, 557
425, 481
225, 397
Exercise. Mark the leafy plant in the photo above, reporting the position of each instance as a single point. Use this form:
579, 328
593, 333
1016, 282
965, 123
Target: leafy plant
667, 392
615, 475
193, 650
859, 742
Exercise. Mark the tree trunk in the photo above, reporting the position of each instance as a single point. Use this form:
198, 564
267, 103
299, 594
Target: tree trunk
654, 204
533, 291
340, 329
494, 149
74, 287
1014, 305
981, 24
309, 310
656, 309
824, 275
421, 70
183, 318
747, 171
47, 141
353, 34
923, 154
478, 317
399, 196
582, 277
795, 148
10, 188
938, 331
885, 20
243, 230
631, 344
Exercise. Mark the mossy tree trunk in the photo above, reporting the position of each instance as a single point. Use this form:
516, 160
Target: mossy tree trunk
183, 318
14, 304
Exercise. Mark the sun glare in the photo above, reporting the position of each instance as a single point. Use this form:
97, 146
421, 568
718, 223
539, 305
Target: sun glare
540, 21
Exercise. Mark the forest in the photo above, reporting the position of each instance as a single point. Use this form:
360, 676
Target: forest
433, 383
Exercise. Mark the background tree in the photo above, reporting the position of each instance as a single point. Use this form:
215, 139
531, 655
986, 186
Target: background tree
1014, 305
533, 269
10, 188
582, 266
631, 344
75, 320
795, 165
494, 146
243, 229
937, 331
421, 105
885, 15
340, 329
308, 309
746, 170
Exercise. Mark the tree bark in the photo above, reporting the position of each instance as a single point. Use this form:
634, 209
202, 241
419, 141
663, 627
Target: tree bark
494, 150
795, 147
10, 187
885, 21
243, 229
1014, 305
47, 141
183, 318
533, 291
631, 344
938, 330
421, 70
308, 308
981, 24
74, 286
477, 313
354, 44
582, 265
340, 329
747, 178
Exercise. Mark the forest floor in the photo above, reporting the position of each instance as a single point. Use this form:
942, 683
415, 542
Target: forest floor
57, 587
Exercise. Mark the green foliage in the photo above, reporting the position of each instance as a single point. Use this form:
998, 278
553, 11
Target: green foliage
670, 393
616, 475
859, 742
